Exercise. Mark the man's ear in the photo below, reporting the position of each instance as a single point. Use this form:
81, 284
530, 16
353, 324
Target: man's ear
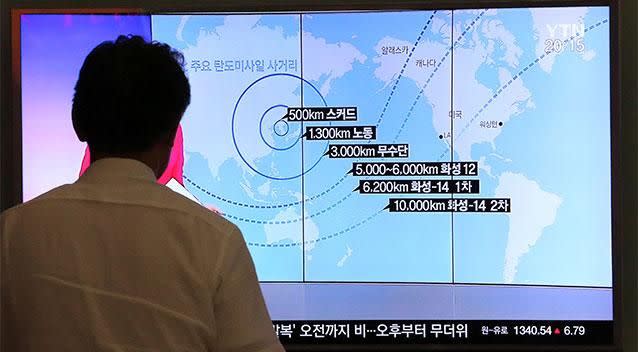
169, 138
78, 130
81, 135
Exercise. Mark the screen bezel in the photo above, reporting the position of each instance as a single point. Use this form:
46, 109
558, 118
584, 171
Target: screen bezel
12, 189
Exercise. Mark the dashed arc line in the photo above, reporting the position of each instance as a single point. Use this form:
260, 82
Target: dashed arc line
319, 239
523, 71
270, 206
436, 68
405, 64
520, 73
291, 221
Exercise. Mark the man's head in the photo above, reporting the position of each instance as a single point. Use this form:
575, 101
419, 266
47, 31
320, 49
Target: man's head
129, 99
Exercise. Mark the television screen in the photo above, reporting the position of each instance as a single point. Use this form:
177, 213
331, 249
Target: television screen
400, 177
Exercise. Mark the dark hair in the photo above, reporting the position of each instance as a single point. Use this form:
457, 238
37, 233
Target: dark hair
130, 93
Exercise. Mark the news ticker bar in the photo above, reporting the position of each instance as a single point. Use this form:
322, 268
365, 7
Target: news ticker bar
517, 332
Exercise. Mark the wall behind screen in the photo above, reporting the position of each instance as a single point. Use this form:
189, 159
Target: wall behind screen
629, 111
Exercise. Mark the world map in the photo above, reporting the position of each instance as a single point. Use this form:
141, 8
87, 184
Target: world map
523, 92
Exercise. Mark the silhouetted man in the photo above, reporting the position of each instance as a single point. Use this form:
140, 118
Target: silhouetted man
116, 261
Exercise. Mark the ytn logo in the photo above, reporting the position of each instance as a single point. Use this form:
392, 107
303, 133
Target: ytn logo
565, 30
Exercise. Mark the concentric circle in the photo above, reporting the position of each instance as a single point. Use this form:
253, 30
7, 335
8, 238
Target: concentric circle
281, 129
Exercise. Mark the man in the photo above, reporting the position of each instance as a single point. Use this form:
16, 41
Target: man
116, 261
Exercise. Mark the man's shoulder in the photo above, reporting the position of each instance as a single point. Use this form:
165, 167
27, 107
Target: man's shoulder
37, 201
157, 197
188, 207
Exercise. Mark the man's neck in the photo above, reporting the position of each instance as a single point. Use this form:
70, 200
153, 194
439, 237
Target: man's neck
142, 157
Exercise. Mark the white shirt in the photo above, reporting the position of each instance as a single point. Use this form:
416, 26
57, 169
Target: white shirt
117, 262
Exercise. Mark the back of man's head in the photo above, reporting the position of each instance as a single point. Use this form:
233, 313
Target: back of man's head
130, 95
